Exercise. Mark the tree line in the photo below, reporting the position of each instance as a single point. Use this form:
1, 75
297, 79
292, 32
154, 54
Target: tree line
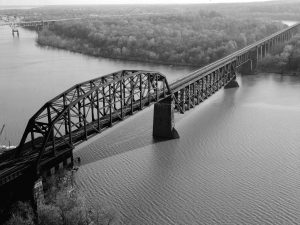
193, 39
284, 59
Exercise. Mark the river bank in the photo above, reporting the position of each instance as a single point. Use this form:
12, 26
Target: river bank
190, 39
92, 53
284, 59
32, 75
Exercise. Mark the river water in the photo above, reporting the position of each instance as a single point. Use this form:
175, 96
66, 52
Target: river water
31, 75
237, 160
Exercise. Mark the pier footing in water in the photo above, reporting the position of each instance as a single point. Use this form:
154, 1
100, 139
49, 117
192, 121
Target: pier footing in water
232, 84
163, 120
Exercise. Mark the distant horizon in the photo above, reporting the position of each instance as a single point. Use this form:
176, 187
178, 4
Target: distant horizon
35, 3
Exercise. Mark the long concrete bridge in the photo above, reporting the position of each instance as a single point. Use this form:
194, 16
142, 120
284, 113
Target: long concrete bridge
87, 108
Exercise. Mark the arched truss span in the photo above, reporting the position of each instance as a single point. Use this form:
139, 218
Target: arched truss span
87, 108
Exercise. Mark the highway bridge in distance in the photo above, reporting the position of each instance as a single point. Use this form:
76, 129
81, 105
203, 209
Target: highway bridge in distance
40, 24
87, 108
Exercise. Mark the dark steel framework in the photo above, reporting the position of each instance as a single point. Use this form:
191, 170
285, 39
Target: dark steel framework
202, 86
83, 111
199, 85
87, 108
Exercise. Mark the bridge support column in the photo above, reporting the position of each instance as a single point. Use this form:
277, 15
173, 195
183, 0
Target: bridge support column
250, 66
38, 192
163, 120
15, 31
232, 84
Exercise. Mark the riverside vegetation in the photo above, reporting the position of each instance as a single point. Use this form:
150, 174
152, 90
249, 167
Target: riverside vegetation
62, 205
285, 58
193, 39
190, 35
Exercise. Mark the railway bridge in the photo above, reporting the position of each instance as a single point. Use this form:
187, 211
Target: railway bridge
37, 25
87, 108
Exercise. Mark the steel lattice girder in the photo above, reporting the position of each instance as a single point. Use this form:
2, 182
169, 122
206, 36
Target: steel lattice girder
203, 86
86, 108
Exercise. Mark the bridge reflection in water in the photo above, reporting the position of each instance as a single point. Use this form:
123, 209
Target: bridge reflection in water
89, 107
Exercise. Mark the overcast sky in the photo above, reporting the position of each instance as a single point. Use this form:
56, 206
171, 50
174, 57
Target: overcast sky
67, 2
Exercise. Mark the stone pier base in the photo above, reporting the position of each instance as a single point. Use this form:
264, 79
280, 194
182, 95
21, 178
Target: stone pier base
232, 84
250, 66
163, 120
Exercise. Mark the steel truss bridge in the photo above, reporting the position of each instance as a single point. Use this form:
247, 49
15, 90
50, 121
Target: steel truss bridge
87, 108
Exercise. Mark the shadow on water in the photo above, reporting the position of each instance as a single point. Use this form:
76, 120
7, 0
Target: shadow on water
136, 132
131, 134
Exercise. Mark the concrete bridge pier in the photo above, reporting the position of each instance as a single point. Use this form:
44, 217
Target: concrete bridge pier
38, 192
232, 84
15, 31
250, 66
163, 120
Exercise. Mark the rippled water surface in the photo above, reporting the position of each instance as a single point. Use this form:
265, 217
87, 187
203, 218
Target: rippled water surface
237, 160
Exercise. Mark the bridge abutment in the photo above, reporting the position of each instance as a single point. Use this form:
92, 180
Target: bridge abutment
163, 120
38, 192
21, 189
29, 186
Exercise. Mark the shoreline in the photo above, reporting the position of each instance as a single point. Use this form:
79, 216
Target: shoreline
130, 59
282, 73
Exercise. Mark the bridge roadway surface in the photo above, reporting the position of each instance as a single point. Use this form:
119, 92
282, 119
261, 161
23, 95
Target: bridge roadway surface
11, 168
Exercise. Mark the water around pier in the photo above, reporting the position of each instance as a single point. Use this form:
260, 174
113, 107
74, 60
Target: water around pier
237, 160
